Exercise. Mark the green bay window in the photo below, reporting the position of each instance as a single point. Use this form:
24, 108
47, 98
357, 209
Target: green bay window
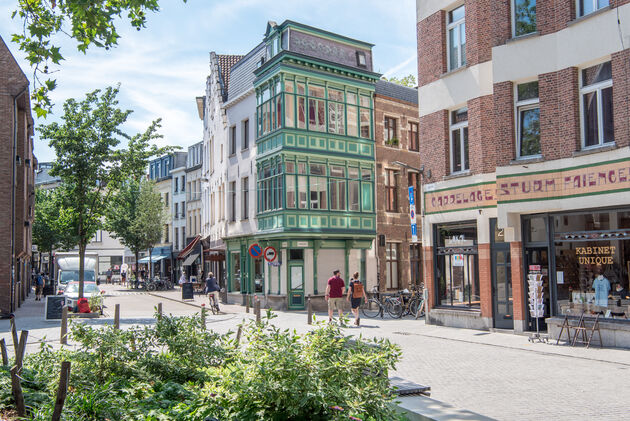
270, 187
337, 187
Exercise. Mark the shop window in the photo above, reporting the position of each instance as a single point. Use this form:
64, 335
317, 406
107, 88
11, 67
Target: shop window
456, 38
236, 271
391, 137
391, 265
528, 116
536, 230
457, 275
459, 140
586, 7
391, 190
296, 254
523, 17
414, 139
415, 264
597, 105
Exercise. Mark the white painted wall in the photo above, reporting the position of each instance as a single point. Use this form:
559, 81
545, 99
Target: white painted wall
178, 197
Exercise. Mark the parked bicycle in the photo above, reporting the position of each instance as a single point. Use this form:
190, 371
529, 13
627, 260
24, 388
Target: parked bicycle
410, 303
381, 303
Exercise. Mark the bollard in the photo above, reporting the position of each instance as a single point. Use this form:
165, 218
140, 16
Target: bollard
159, 310
246, 303
257, 309
309, 309
5, 354
117, 317
64, 325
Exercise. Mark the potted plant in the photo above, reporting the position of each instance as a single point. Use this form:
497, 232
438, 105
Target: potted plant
392, 142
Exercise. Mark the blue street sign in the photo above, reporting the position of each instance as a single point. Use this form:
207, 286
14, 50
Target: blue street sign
414, 231
412, 200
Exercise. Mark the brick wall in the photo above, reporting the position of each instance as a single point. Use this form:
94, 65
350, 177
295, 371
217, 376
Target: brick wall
479, 36
395, 226
431, 33
518, 282
559, 113
429, 283
503, 114
485, 279
501, 23
434, 145
482, 154
621, 96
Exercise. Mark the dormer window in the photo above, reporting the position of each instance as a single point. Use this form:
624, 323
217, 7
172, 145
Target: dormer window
361, 60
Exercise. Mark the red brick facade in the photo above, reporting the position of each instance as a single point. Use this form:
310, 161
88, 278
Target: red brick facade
394, 225
16, 151
431, 48
434, 145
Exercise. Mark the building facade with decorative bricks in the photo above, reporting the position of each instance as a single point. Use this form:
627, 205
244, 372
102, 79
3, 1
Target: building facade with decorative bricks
397, 168
525, 125
17, 187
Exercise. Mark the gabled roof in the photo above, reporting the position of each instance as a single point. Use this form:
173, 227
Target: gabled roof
226, 61
396, 91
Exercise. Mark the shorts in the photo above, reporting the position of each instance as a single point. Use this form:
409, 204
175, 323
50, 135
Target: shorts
38, 289
335, 303
355, 302
216, 296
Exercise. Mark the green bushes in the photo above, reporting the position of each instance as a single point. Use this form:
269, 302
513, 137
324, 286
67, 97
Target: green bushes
177, 370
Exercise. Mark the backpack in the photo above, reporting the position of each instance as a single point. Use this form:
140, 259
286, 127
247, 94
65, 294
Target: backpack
357, 289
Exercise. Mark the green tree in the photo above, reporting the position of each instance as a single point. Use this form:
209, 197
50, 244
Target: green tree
90, 23
45, 228
151, 217
408, 81
90, 162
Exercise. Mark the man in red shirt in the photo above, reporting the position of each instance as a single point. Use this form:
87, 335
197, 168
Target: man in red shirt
334, 295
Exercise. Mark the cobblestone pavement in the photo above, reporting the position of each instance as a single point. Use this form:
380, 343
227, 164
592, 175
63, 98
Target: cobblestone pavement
499, 375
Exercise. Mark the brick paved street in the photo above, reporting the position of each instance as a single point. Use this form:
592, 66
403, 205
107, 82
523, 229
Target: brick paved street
499, 375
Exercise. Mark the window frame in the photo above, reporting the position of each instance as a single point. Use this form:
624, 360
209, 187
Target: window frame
595, 8
524, 105
232, 187
513, 19
411, 136
245, 134
597, 87
390, 131
450, 25
391, 174
245, 198
460, 127
389, 246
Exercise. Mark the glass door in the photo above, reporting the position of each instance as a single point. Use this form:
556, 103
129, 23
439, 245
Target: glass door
503, 308
296, 286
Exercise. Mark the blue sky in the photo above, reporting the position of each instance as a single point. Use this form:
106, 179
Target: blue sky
163, 68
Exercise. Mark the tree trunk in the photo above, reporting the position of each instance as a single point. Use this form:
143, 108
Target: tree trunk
150, 263
81, 268
137, 253
50, 266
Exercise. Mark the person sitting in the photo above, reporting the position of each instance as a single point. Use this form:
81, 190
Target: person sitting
621, 292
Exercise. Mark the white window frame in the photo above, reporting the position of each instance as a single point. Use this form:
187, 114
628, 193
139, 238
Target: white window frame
452, 127
528, 104
457, 24
596, 87
595, 8
513, 17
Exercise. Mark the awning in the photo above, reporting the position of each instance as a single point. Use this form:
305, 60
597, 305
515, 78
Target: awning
190, 259
154, 259
189, 248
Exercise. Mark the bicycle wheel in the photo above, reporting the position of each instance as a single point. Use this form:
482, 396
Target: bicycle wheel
151, 286
394, 308
371, 308
414, 305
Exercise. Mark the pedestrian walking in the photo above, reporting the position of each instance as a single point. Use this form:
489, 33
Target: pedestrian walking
356, 293
212, 289
334, 295
39, 286
109, 276
182, 279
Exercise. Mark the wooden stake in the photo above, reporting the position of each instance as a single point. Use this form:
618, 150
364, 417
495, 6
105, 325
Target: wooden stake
257, 310
64, 378
19, 357
309, 309
238, 335
5, 354
246, 303
16, 389
117, 317
159, 310
14, 334
203, 316
64, 326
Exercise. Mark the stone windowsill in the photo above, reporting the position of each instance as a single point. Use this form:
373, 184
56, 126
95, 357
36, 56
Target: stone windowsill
532, 160
460, 312
457, 175
596, 149
590, 15
522, 37
451, 72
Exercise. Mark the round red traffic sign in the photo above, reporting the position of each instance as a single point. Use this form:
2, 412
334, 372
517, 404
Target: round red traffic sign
270, 254
255, 251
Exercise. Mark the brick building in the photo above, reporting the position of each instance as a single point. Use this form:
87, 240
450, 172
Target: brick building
396, 140
525, 125
16, 182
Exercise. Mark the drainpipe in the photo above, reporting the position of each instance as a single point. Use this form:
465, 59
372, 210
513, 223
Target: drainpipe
15, 136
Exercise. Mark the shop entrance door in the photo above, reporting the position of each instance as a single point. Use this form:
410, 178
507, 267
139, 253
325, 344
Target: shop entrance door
503, 308
537, 261
296, 286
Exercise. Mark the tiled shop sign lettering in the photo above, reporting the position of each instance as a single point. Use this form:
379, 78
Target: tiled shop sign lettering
578, 181
461, 198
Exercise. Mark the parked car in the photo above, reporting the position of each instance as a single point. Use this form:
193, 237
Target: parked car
72, 293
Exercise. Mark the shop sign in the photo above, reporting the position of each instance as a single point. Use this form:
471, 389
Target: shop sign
606, 177
458, 260
301, 244
474, 196
602, 255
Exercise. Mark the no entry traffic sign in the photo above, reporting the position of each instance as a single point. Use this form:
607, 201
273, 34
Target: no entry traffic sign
270, 254
255, 251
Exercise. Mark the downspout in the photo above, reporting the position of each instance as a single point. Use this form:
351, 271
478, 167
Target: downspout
15, 136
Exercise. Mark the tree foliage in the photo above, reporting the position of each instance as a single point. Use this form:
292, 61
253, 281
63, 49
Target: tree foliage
408, 81
90, 23
90, 162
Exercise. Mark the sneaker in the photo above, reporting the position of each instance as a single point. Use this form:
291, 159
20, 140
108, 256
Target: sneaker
358, 321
